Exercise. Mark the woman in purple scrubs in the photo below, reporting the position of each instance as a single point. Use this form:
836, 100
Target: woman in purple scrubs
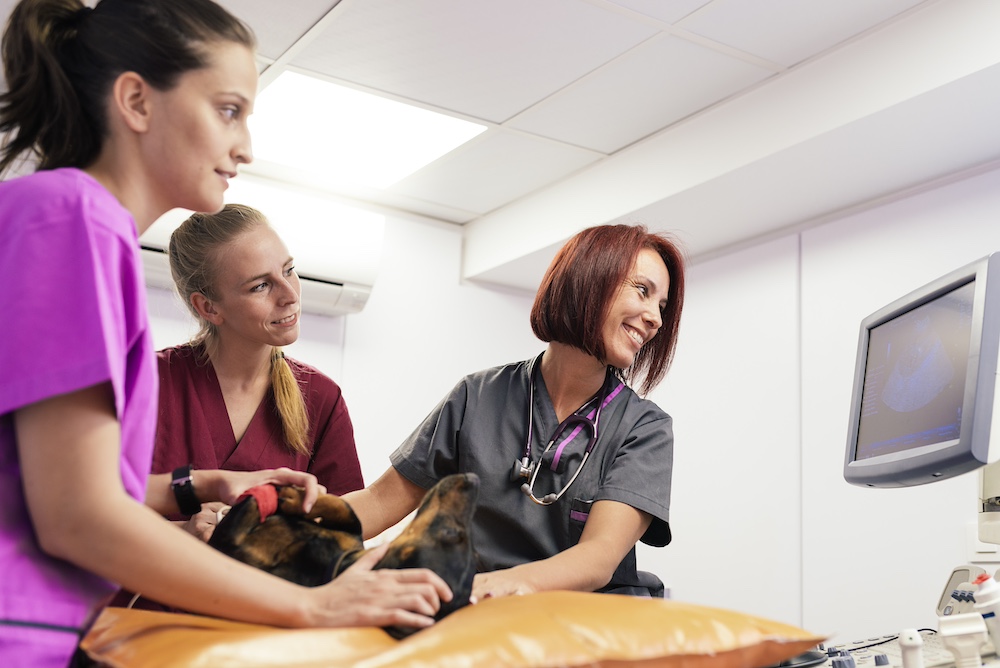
131, 108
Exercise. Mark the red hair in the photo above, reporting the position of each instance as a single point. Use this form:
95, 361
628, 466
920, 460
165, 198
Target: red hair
583, 280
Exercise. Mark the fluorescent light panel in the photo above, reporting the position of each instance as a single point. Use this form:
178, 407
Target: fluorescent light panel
347, 136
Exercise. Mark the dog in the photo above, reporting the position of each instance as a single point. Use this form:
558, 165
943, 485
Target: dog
268, 529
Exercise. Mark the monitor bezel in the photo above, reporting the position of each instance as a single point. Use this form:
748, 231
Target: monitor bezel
971, 449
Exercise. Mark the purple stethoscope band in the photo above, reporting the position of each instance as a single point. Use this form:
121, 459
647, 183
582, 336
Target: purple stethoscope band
589, 416
525, 471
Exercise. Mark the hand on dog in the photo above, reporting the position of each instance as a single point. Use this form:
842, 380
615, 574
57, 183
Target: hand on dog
229, 485
202, 524
361, 596
498, 583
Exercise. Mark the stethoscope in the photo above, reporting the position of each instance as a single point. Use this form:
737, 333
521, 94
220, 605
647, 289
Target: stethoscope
525, 468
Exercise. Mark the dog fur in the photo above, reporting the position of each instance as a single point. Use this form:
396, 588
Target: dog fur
313, 548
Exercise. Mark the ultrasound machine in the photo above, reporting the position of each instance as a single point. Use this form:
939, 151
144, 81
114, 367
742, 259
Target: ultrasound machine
924, 405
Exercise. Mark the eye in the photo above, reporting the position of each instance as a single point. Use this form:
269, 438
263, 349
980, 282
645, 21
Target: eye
230, 112
290, 271
643, 289
260, 287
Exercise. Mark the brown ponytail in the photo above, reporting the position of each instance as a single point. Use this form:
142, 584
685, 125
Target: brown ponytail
193, 251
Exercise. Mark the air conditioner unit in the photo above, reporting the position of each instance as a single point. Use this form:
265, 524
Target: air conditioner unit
337, 248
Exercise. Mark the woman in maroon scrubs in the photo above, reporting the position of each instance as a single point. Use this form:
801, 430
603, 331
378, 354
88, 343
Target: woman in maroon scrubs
230, 398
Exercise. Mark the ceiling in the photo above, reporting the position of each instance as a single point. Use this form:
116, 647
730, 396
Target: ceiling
723, 122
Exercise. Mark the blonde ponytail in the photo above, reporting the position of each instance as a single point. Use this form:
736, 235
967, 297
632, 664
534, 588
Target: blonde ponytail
291, 405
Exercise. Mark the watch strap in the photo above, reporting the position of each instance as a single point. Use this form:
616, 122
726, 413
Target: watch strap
183, 487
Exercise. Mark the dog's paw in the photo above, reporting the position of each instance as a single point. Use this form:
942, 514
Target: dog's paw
290, 500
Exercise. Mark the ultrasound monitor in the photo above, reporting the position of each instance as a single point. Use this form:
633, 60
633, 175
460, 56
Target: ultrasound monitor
922, 408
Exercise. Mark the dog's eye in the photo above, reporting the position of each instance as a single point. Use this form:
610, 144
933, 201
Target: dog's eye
451, 535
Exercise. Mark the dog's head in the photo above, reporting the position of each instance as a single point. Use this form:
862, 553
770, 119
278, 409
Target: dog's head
440, 538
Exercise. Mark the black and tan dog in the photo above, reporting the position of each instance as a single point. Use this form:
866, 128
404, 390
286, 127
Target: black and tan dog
312, 548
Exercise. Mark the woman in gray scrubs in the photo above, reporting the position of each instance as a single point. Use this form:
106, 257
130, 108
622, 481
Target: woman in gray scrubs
550, 516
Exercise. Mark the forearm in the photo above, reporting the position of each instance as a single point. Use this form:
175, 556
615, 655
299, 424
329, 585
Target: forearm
583, 567
612, 530
69, 449
366, 507
217, 485
160, 497
125, 542
384, 503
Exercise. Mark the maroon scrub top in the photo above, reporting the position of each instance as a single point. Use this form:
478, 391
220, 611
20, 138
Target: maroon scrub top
194, 426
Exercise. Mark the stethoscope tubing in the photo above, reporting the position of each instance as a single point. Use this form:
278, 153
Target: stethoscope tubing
591, 416
590, 420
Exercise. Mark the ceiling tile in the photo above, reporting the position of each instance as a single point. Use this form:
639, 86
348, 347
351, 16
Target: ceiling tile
277, 26
652, 87
493, 170
668, 11
789, 31
488, 60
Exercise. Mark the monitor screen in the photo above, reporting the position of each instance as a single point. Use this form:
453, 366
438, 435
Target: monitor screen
924, 382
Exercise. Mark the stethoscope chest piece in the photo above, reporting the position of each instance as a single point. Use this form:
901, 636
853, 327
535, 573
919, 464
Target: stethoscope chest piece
522, 470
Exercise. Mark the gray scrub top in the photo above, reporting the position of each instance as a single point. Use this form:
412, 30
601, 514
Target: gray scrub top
481, 427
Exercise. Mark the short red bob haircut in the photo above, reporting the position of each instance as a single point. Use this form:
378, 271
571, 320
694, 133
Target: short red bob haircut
583, 280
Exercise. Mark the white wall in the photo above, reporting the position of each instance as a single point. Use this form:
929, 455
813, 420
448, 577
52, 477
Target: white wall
733, 393
763, 520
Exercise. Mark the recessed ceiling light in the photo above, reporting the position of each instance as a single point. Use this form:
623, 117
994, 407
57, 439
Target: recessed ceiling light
348, 136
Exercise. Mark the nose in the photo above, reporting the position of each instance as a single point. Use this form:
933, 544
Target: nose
243, 150
653, 317
290, 289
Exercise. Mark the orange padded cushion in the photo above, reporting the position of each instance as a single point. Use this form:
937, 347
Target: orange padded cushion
537, 631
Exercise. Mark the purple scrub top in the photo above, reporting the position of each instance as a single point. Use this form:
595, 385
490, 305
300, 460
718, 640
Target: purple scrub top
73, 304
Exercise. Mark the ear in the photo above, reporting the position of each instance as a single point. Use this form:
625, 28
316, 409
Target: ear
206, 308
131, 99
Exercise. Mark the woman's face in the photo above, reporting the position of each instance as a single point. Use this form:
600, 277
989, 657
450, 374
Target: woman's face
198, 134
636, 312
257, 289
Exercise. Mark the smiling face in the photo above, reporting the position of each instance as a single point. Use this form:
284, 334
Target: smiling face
256, 290
635, 314
200, 133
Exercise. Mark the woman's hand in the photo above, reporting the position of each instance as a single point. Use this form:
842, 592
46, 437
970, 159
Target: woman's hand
499, 583
227, 486
361, 596
202, 525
